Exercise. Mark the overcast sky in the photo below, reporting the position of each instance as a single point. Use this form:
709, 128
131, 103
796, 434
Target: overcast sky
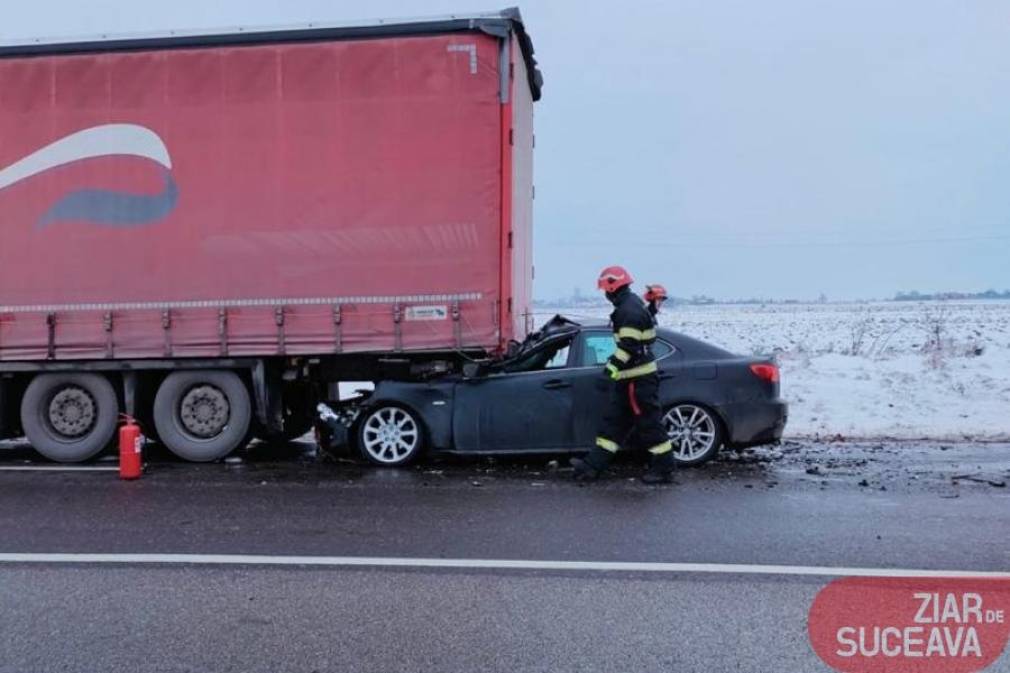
736, 149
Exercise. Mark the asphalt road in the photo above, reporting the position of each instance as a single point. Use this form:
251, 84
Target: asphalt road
908, 506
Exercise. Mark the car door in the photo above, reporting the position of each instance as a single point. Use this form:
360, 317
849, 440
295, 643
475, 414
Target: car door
593, 388
516, 412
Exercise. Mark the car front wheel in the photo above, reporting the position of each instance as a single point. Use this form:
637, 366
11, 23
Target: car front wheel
390, 436
695, 432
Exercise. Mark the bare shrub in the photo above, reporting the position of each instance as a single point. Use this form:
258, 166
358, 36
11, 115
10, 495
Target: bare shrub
870, 337
858, 333
934, 325
881, 342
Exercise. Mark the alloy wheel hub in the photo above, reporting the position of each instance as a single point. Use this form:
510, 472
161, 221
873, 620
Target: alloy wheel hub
390, 434
692, 431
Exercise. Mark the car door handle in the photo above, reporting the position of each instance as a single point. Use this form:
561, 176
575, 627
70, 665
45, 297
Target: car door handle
556, 384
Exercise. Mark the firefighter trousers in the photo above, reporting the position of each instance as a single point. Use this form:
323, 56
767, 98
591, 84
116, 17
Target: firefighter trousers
633, 414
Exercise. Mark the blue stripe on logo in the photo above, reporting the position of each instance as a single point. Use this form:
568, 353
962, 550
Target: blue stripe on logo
114, 209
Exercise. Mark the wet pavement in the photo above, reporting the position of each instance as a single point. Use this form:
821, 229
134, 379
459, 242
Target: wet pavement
944, 468
825, 504
885, 503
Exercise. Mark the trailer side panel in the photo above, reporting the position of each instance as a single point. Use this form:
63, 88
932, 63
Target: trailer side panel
295, 198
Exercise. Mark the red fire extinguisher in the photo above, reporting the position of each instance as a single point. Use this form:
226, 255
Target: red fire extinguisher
131, 442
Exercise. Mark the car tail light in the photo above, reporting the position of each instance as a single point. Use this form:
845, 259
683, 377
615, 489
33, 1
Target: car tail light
766, 371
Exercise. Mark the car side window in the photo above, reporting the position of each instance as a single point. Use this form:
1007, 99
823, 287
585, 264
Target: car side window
552, 356
660, 349
597, 348
560, 358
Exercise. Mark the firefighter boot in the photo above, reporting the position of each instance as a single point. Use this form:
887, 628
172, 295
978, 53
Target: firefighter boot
660, 469
590, 466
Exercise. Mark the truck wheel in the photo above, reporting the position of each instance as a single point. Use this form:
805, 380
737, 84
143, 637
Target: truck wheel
202, 415
390, 436
69, 417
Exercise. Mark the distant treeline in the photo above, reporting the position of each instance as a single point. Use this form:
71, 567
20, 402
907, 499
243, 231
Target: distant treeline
919, 296
698, 300
581, 301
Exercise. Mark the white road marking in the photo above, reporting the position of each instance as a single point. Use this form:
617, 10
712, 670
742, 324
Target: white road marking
494, 564
57, 468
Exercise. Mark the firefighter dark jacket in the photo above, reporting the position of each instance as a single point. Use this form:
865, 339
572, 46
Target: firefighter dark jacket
634, 332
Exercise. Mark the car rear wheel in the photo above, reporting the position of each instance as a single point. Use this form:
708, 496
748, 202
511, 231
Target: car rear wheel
695, 432
202, 415
69, 417
390, 436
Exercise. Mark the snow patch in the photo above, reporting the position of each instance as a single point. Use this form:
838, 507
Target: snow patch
903, 370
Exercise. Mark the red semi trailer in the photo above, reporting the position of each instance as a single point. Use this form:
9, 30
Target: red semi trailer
206, 230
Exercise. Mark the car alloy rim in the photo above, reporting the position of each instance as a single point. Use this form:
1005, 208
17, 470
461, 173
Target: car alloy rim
692, 431
72, 412
390, 435
205, 411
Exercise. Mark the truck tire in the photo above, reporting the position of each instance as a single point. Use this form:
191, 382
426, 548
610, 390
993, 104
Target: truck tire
202, 415
69, 417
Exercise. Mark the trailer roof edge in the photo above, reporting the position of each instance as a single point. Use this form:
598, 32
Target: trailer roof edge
509, 19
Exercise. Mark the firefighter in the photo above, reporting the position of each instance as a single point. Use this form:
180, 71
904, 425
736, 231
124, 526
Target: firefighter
654, 297
634, 387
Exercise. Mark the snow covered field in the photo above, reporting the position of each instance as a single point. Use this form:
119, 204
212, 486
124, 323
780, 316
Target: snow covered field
903, 370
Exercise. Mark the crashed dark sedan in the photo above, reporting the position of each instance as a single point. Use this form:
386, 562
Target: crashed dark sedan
548, 395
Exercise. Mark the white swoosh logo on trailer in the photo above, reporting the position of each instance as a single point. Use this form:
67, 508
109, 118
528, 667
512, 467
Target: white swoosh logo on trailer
97, 141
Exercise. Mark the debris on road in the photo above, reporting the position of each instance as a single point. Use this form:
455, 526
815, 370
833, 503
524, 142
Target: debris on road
995, 483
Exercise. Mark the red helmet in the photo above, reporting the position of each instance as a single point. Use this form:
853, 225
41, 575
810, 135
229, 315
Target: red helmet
613, 278
655, 293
